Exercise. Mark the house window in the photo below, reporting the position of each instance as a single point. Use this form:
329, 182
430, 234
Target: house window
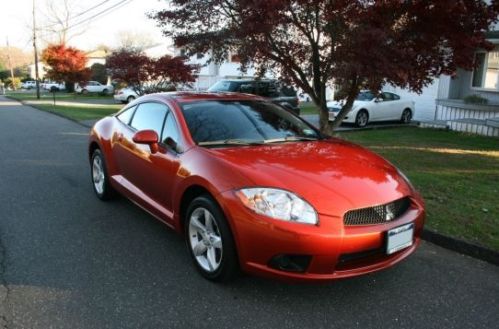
486, 72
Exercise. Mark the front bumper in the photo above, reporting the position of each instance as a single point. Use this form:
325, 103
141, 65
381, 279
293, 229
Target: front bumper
336, 251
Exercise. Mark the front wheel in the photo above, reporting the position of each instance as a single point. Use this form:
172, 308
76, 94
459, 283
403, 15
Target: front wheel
362, 119
100, 178
130, 99
210, 241
406, 116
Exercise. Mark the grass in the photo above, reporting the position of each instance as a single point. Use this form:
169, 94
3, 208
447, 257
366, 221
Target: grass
31, 96
457, 174
308, 108
79, 113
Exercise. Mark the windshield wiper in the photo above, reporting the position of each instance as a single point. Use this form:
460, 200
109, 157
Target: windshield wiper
291, 139
231, 142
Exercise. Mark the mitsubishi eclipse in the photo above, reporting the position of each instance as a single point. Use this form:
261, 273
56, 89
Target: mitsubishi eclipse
253, 187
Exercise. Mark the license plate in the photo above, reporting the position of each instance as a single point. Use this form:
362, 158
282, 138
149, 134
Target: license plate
400, 238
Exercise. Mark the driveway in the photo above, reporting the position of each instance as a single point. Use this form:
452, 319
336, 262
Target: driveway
68, 260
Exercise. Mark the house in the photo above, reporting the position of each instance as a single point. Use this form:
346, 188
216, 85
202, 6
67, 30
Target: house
469, 101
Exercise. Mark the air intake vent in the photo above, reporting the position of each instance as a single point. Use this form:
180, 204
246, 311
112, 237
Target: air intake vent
377, 214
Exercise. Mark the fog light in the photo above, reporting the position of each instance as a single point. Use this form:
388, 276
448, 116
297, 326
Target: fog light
290, 263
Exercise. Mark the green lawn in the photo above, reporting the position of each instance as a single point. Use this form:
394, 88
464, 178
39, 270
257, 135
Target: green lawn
457, 174
31, 96
80, 113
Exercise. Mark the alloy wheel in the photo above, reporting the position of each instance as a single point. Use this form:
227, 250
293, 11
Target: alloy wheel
205, 239
98, 175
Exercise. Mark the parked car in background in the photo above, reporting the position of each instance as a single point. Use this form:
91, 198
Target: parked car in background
30, 84
125, 95
370, 108
251, 185
94, 87
277, 92
53, 86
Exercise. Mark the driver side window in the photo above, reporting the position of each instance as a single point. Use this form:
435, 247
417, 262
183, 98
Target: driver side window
149, 116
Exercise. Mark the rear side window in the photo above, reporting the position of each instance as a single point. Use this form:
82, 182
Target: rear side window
396, 97
126, 115
149, 116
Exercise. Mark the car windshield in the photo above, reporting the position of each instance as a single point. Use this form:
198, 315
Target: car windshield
365, 96
222, 86
244, 123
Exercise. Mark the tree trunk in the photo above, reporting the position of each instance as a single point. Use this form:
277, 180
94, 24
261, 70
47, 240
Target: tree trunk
70, 86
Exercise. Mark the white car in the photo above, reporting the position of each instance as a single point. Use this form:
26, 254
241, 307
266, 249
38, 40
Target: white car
125, 95
94, 87
369, 108
53, 86
28, 84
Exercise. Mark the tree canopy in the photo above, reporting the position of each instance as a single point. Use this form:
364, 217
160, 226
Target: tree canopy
145, 74
66, 64
353, 43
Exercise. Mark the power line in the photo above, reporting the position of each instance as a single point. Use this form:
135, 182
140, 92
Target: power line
105, 11
79, 14
117, 5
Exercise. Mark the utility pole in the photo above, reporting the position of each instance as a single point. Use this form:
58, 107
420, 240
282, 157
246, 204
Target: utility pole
37, 77
9, 59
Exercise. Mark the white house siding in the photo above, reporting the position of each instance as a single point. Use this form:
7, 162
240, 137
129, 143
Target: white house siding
425, 102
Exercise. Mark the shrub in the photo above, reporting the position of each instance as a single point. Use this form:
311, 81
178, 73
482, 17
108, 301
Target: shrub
475, 99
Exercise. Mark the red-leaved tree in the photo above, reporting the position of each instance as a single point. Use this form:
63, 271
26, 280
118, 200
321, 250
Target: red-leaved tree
353, 43
66, 64
145, 75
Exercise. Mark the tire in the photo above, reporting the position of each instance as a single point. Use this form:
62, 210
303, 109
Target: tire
211, 246
130, 99
105, 91
100, 178
362, 119
406, 116
84, 91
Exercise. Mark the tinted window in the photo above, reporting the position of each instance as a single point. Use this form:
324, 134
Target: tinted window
126, 115
149, 116
170, 129
387, 97
242, 120
365, 96
396, 97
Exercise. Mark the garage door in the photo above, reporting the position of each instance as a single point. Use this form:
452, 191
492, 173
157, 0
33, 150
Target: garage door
425, 102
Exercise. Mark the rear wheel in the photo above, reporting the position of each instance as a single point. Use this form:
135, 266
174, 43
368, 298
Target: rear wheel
84, 91
406, 116
362, 119
210, 241
100, 179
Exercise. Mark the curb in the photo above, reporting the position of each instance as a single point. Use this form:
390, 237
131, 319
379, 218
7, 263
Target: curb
462, 247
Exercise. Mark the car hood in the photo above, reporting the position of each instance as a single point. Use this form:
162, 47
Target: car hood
333, 175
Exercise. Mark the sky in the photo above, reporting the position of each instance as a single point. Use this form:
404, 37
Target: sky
130, 16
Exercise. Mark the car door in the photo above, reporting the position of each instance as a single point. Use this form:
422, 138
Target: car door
385, 110
397, 107
149, 176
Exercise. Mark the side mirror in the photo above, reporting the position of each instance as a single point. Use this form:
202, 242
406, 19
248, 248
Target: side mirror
149, 137
378, 100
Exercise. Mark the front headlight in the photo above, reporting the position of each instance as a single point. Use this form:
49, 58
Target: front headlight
278, 204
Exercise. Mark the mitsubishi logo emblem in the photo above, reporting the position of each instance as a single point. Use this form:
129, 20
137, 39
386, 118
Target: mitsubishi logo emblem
389, 214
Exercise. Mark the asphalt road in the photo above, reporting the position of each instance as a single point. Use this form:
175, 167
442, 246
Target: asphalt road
68, 260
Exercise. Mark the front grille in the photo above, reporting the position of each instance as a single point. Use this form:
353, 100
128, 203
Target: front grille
377, 214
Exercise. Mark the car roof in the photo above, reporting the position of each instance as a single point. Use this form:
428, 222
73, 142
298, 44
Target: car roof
189, 96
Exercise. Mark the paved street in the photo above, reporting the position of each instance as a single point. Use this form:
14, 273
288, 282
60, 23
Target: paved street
68, 260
